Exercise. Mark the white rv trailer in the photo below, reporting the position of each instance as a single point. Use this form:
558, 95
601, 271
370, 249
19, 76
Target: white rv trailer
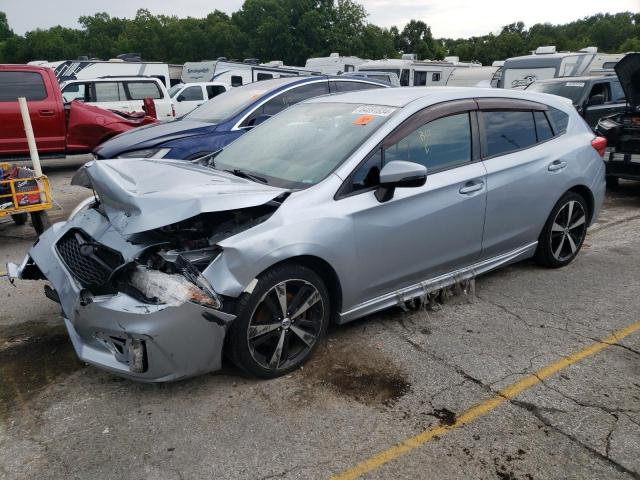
545, 62
236, 74
90, 69
334, 64
473, 77
416, 73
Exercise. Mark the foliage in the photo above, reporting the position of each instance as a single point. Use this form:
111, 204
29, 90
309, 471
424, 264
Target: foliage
294, 30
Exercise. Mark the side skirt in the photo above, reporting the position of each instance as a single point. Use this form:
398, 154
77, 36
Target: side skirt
405, 294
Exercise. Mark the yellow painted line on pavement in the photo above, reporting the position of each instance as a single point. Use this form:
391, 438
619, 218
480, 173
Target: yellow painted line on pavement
504, 395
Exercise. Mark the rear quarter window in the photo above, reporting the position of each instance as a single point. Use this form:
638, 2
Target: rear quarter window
559, 120
142, 90
21, 84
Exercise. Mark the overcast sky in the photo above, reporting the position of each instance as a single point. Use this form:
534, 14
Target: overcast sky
447, 18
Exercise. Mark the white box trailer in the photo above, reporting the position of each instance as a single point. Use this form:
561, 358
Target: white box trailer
236, 74
90, 69
418, 73
334, 64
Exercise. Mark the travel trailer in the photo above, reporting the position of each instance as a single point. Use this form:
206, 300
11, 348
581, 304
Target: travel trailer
235, 74
545, 62
90, 69
334, 64
474, 77
416, 73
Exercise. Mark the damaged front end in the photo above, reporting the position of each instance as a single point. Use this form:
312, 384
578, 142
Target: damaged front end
140, 304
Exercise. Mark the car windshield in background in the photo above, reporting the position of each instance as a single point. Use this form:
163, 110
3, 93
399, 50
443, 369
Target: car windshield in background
568, 89
302, 145
228, 104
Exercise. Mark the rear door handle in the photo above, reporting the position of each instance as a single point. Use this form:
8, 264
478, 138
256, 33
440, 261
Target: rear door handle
471, 187
556, 165
46, 113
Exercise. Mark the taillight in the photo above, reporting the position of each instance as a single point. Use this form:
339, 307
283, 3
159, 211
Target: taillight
600, 145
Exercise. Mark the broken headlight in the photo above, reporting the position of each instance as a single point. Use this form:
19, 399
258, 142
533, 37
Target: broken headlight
174, 289
86, 204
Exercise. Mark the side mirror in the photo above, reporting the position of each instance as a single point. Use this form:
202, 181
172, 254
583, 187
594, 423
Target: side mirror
180, 98
399, 174
596, 100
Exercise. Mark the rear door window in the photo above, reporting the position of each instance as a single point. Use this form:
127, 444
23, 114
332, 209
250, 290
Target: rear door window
438, 145
142, 90
109, 92
215, 90
617, 94
507, 131
21, 84
190, 94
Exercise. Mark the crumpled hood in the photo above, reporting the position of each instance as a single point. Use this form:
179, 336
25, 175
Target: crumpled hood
151, 136
628, 71
143, 194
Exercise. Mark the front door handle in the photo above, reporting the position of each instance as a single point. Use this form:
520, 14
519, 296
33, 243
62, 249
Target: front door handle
471, 187
557, 165
46, 113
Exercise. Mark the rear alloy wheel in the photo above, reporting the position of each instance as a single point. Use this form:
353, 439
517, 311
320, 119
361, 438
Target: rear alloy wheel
281, 323
564, 232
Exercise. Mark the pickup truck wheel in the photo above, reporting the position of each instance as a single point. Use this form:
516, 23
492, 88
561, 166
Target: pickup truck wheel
281, 323
20, 218
40, 221
612, 182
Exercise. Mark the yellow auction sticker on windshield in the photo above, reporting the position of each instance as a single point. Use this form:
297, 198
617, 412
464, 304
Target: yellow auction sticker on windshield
363, 119
377, 110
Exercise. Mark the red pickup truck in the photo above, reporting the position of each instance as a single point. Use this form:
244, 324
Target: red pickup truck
59, 129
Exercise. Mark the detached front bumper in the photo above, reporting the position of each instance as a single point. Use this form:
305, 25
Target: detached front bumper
117, 332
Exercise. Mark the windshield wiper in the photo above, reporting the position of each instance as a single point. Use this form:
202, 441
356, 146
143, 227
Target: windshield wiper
249, 176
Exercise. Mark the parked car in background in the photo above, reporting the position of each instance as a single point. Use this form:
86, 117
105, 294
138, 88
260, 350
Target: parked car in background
59, 129
124, 94
226, 117
187, 96
84, 69
336, 208
593, 97
622, 130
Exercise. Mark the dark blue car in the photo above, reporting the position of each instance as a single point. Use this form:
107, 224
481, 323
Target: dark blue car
221, 120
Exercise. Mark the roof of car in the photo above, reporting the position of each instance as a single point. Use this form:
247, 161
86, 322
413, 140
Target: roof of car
402, 96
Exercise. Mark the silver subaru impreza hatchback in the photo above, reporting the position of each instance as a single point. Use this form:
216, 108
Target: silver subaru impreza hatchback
338, 207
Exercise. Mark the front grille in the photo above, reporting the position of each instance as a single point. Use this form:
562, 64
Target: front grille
89, 262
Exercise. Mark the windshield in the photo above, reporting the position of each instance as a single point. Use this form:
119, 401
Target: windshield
302, 145
570, 90
228, 104
175, 89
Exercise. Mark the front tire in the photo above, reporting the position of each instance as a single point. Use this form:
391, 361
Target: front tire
280, 324
564, 232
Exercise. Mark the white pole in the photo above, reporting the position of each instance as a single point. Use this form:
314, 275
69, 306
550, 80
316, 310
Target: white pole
31, 139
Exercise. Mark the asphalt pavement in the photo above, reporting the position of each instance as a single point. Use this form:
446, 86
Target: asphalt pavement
534, 375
